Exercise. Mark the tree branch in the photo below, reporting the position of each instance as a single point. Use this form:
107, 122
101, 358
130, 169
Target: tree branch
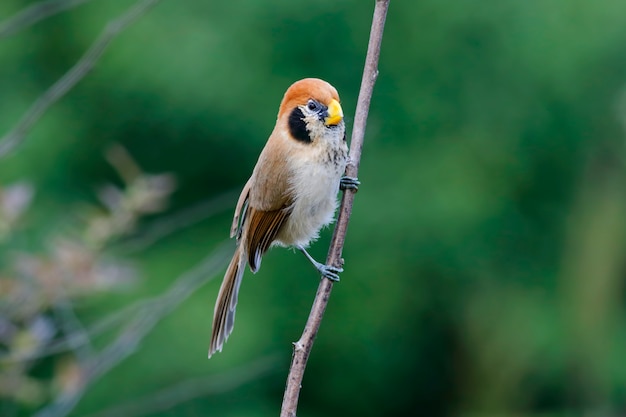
16, 136
302, 348
34, 13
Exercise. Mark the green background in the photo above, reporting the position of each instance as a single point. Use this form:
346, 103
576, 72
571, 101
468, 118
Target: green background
484, 262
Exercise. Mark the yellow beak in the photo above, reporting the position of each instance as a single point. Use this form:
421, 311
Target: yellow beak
335, 114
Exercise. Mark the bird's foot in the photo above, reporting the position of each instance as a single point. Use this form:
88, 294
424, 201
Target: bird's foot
328, 271
349, 183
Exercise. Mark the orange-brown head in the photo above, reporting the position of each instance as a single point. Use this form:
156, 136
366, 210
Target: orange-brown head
310, 105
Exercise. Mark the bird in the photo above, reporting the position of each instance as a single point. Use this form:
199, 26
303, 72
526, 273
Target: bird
292, 192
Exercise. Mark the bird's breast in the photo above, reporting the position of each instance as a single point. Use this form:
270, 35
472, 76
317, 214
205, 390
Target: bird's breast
314, 185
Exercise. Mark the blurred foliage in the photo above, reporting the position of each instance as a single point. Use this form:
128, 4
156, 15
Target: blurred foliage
38, 290
485, 255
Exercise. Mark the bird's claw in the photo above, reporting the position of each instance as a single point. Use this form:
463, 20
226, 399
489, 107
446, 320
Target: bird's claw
327, 271
349, 183
330, 272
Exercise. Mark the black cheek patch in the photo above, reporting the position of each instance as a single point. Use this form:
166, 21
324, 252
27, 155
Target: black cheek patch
297, 126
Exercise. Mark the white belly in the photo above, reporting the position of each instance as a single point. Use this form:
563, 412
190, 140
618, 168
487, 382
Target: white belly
317, 186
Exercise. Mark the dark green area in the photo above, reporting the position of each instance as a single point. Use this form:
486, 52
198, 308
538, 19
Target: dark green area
484, 268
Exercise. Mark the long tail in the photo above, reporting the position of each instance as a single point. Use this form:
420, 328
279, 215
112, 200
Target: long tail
224, 314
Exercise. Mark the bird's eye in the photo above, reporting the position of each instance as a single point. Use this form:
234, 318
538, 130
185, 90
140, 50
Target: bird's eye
312, 105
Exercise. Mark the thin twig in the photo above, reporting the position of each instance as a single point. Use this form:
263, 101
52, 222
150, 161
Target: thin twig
179, 221
86, 63
80, 343
75, 339
302, 348
136, 329
189, 389
34, 13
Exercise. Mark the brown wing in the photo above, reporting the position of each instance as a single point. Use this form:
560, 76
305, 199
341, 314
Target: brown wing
262, 230
269, 200
235, 228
